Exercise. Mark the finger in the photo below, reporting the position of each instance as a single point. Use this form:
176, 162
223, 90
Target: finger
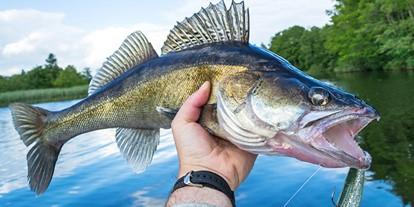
190, 110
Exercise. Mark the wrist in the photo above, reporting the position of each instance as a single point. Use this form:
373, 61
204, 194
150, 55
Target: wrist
204, 179
230, 177
189, 196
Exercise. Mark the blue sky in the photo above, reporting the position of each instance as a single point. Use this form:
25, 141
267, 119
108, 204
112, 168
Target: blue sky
84, 33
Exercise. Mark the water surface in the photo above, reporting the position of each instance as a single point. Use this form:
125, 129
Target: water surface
91, 172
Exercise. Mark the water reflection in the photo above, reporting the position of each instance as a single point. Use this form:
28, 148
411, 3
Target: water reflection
86, 150
391, 141
142, 198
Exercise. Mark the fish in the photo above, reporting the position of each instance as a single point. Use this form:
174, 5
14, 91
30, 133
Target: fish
353, 188
259, 101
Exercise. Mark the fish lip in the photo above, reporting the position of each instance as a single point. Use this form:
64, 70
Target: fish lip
322, 143
334, 119
311, 117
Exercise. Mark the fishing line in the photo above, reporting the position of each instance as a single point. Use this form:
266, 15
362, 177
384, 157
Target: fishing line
303, 185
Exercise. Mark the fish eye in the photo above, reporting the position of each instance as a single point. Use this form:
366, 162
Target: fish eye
319, 96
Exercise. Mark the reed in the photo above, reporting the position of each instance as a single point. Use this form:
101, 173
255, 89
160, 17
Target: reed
43, 95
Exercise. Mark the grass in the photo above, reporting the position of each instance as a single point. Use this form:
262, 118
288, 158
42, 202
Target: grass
43, 95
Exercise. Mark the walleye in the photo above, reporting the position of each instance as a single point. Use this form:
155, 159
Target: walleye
259, 101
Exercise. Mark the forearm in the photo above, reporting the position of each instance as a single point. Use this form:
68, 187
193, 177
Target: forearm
198, 197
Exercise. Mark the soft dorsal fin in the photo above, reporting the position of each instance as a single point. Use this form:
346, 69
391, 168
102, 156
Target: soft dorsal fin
134, 50
212, 24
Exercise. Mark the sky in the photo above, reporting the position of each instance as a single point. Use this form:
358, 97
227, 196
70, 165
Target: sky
84, 32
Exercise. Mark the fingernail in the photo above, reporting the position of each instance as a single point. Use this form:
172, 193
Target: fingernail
205, 84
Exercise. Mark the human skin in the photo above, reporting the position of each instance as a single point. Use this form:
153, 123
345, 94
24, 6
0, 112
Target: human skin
198, 150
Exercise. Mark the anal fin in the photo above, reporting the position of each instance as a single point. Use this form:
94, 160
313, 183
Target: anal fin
138, 146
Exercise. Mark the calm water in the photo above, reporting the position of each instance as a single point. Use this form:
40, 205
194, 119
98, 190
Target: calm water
91, 172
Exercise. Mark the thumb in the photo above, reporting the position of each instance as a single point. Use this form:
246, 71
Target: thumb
191, 108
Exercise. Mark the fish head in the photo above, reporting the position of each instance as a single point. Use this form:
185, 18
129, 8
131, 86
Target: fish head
295, 115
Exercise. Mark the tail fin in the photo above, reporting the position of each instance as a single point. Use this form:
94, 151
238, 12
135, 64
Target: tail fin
30, 123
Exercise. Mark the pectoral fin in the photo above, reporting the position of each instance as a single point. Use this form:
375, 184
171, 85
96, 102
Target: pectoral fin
167, 112
138, 146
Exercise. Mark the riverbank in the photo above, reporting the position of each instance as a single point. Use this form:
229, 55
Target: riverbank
43, 95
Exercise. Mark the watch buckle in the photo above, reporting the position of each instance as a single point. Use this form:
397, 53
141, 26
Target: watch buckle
187, 180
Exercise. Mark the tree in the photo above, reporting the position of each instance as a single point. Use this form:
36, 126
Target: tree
304, 48
287, 44
313, 54
40, 77
47, 76
86, 73
69, 77
51, 60
52, 67
363, 35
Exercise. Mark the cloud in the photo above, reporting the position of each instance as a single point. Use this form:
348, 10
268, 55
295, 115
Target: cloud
24, 47
16, 24
103, 42
27, 36
268, 16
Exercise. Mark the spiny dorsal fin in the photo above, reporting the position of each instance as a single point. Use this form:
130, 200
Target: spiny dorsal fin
134, 50
212, 24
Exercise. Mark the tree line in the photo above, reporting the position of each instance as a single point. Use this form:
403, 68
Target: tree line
49, 75
364, 35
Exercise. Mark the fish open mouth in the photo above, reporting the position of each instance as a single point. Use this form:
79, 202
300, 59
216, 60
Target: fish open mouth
334, 137
325, 137
341, 138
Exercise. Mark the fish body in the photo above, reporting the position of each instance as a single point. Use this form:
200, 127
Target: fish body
131, 100
259, 101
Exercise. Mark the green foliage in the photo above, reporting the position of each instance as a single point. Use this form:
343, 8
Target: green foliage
49, 75
287, 43
51, 60
69, 77
304, 48
86, 73
397, 43
364, 35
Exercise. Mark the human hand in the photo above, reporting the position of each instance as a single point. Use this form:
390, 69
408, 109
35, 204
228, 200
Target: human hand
198, 150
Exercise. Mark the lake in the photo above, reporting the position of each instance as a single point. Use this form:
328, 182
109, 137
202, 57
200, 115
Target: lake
91, 172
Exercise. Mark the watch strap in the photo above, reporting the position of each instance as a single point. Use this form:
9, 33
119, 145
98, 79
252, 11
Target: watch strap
205, 179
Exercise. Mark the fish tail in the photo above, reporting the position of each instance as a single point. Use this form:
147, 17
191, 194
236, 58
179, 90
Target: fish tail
30, 123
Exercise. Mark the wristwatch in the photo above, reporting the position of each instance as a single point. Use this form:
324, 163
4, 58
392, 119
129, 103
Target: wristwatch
205, 179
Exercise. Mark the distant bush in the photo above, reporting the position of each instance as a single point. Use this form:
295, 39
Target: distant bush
49, 75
